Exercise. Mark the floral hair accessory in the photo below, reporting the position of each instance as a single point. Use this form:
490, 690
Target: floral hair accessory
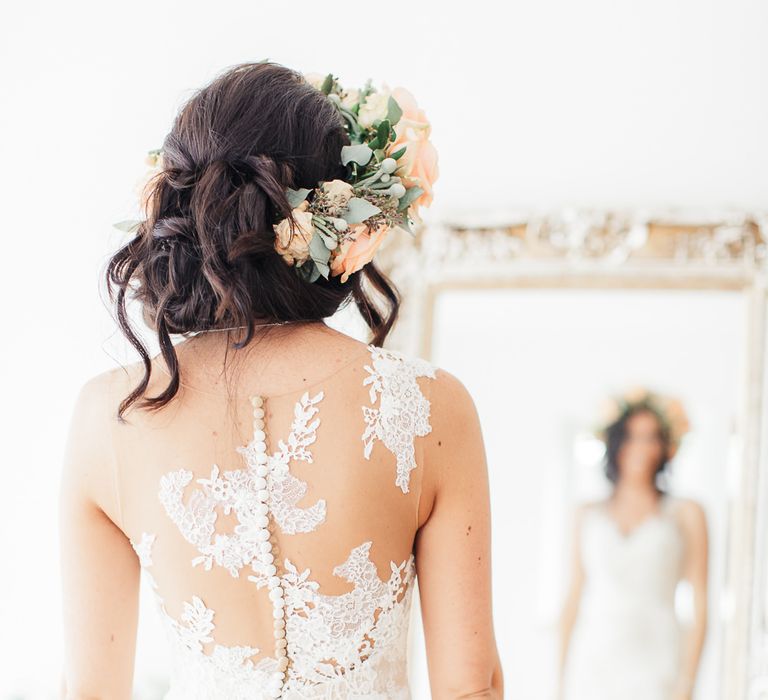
338, 226
391, 167
670, 412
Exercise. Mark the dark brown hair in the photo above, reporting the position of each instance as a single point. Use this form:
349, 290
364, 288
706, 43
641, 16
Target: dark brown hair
616, 436
204, 256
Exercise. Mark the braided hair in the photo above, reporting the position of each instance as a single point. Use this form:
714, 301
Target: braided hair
204, 257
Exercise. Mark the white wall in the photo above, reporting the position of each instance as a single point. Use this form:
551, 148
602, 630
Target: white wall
534, 104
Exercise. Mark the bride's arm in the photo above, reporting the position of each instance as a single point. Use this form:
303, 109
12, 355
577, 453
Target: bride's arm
99, 569
694, 523
453, 550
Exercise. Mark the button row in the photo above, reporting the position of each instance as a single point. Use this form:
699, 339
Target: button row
267, 551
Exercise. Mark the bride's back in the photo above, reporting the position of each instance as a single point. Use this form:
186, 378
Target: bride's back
335, 500
282, 514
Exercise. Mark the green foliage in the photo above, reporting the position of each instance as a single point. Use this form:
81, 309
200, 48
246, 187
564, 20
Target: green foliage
358, 210
296, 197
129, 226
357, 153
411, 195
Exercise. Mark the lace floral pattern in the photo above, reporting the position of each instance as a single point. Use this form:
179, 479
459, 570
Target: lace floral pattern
225, 672
326, 647
238, 490
355, 640
346, 646
403, 411
285, 490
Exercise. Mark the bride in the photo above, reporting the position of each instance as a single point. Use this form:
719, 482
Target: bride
281, 485
620, 637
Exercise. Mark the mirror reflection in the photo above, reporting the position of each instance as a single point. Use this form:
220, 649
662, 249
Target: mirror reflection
612, 424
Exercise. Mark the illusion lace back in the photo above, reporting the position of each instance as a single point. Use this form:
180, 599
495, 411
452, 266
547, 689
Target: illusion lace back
279, 543
626, 641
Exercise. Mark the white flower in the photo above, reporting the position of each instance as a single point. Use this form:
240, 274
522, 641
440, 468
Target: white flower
374, 108
350, 98
339, 192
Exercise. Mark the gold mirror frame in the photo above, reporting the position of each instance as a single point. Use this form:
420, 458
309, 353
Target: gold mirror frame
602, 249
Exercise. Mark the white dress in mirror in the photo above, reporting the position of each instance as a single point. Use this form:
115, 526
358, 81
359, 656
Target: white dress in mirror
626, 640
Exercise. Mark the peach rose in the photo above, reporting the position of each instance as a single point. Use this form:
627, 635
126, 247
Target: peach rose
636, 394
295, 248
413, 124
418, 166
357, 250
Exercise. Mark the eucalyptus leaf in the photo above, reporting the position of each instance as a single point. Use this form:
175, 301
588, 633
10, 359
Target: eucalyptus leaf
393, 110
318, 250
411, 194
307, 270
399, 153
375, 144
359, 153
406, 224
327, 85
129, 225
358, 210
319, 255
328, 240
382, 132
296, 197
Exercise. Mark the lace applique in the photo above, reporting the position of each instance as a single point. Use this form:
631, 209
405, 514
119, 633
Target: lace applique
227, 672
240, 490
356, 639
403, 411
345, 646
285, 490
144, 549
325, 647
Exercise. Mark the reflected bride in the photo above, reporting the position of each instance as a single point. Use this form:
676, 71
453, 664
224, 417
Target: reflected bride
620, 636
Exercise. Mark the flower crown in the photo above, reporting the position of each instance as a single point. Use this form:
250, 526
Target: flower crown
391, 166
669, 411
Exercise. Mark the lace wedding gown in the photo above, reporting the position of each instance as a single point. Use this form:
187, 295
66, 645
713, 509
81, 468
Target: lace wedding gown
282, 566
626, 640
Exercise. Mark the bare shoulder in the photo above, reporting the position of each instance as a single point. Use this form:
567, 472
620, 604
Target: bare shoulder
449, 388
691, 514
454, 448
584, 508
96, 395
104, 391
88, 459
452, 405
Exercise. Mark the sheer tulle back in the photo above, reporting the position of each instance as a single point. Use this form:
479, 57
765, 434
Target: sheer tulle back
288, 572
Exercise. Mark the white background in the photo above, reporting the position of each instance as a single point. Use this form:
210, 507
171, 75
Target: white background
535, 104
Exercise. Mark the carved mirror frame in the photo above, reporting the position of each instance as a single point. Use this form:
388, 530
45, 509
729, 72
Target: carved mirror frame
602, 249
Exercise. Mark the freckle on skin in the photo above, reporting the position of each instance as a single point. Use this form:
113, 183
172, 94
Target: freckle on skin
112, 637
439, 443
469, 529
